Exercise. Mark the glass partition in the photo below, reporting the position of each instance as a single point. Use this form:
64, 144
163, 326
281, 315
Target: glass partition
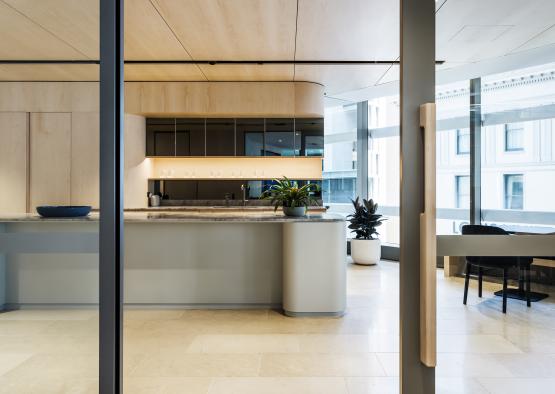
49, 200
518, 167
340, 157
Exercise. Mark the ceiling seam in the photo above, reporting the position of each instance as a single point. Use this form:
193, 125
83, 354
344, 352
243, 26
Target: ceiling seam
175, 35
532, 38
383, 75
295, 46
44, 28
442, 4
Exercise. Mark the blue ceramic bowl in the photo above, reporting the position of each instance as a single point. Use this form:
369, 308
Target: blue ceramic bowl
63, 211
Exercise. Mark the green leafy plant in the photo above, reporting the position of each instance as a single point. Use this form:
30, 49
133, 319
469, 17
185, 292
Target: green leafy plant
364, 219
288, 194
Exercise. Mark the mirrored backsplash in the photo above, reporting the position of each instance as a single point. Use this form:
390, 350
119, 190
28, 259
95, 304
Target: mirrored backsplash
217, 192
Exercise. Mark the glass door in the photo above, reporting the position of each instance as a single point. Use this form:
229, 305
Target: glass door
494, 124
49, 177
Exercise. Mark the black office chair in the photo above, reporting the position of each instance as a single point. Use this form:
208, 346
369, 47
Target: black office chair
504, 263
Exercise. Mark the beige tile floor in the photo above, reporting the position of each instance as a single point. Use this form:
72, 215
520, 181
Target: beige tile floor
261, 351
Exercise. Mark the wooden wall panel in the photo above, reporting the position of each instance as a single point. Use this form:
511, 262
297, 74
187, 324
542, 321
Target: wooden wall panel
85, 158
49, 96
50, 159
213, 99
14, 130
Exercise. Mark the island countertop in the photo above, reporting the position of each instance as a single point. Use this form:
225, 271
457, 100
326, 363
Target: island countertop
189, 216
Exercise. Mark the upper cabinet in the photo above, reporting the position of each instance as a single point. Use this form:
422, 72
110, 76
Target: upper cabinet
160, 137
309, 134
249, 137
190, 137
281, 137
220, 137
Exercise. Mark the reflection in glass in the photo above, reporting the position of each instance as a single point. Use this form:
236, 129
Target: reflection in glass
280, 138
340, 159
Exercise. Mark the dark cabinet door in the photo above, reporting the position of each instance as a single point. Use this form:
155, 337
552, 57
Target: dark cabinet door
160, 137
249, 137
190, 137
280, 138
220, 137
309, 136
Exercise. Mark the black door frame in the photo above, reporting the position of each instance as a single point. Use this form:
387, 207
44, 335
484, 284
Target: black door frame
417, 86
111, 196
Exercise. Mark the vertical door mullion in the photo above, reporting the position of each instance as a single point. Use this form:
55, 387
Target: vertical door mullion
111, 196
362, 150
475, 151
417, 86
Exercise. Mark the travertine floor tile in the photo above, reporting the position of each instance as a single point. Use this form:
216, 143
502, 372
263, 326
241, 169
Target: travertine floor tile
279, 386
518, 385
262, 351
320, 365
267, 343
197, 365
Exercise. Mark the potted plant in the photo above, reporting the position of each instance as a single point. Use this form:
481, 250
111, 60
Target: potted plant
366, 246
292, 198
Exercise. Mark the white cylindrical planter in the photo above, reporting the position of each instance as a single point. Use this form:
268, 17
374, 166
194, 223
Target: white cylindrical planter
366, 251
314, 268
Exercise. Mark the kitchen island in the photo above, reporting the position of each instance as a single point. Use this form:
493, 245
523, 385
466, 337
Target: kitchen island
191, 259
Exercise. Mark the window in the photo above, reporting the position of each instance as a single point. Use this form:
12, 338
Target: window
463, 142
462, 185
514, 137
514, 191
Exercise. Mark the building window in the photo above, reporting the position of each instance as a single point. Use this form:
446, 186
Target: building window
514, 137
463, 142
514, 191
462, 184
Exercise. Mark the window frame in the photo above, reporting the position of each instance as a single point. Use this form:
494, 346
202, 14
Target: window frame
457, 191
462, 133
507, 131
506, 202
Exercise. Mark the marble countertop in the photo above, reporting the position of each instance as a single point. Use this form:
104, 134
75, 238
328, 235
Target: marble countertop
218, 208
182, 217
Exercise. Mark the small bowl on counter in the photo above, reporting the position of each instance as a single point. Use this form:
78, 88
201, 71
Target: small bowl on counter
63, 211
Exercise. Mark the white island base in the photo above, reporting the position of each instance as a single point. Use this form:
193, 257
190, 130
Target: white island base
177, 260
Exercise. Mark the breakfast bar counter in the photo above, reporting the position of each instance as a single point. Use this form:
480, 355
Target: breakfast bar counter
191, 259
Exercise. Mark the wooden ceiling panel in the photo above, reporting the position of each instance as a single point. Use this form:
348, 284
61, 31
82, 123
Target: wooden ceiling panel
340, 78
163, 72
233, 30
248, 72
147, 36
348, 30
74, 22
49, 72
24, 39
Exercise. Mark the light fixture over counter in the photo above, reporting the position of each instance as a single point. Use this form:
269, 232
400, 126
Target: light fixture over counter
300, 168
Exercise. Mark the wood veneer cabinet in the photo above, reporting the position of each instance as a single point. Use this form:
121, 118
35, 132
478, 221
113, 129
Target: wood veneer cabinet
50, 159
14, 129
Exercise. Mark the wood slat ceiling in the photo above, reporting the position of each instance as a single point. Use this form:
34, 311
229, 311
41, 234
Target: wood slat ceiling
467, 31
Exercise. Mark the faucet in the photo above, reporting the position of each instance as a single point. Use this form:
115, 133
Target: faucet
245, 189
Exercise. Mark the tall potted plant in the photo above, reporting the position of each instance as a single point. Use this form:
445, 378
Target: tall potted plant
292, 198
366, 246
